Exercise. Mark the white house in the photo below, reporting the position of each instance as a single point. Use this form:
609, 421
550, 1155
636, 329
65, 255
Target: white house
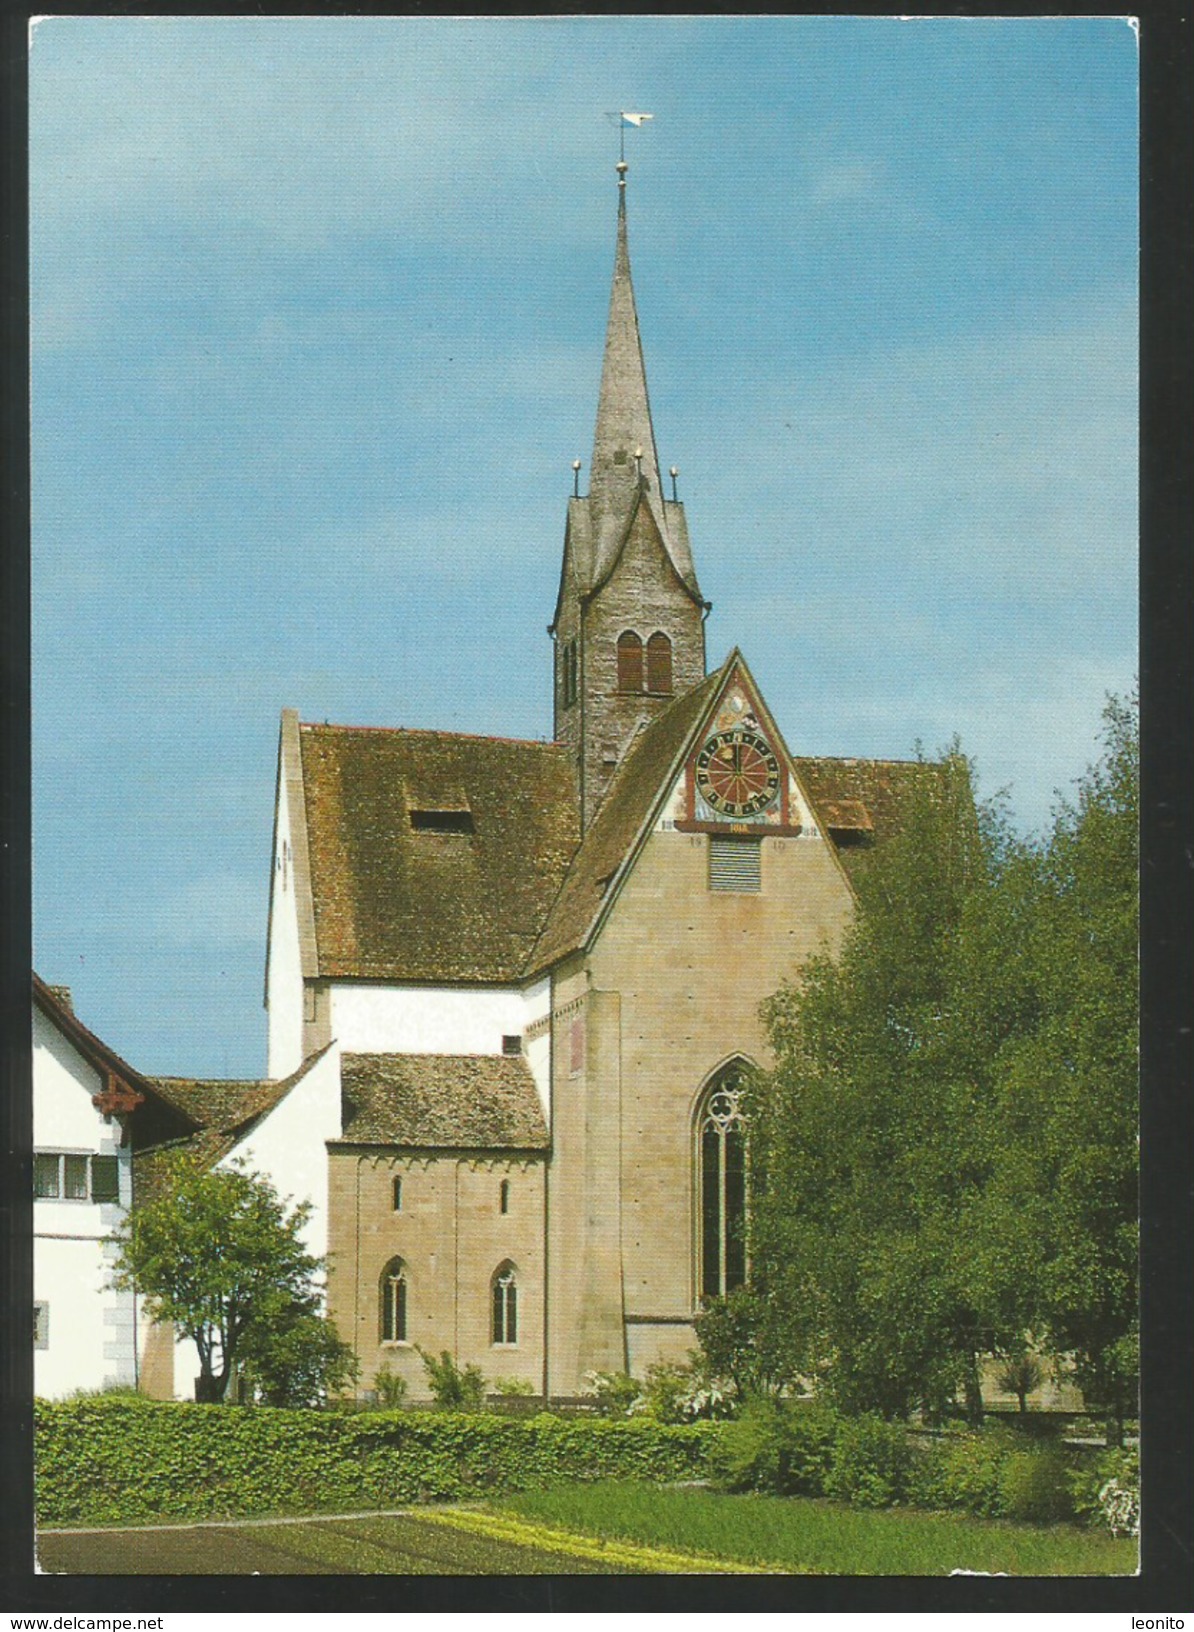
90, 1108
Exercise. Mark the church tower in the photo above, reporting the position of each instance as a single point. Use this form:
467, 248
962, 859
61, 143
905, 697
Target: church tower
629, 622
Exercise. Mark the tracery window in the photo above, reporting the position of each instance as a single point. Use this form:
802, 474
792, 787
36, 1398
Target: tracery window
659, 663
393, 1302
630, 661
721, 1185
505, 1305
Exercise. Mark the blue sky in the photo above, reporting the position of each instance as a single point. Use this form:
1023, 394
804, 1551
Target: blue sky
318, 307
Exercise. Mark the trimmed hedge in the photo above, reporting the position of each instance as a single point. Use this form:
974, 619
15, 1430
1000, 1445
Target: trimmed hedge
116, 1460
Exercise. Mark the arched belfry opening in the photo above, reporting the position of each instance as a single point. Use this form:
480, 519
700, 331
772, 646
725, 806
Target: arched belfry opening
721, 1184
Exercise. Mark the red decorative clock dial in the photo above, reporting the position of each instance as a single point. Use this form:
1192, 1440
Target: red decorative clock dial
737, 773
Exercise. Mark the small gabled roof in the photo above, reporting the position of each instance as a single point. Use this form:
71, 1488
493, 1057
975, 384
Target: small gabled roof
441, 1101
126, 1090
434, 857
221, 1110
637, 787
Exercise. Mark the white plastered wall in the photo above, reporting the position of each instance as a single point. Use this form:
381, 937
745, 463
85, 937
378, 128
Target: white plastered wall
284, 981
369, 1018
90, 1326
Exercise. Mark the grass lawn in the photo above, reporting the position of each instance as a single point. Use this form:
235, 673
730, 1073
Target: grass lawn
799, 1535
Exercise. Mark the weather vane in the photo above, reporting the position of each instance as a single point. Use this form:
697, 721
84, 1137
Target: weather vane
624, 119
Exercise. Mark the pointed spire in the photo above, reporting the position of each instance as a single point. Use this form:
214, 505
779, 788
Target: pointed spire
624, 454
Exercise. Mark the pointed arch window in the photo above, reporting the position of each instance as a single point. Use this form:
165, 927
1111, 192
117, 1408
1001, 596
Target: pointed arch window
505, 1305
659, 663
630, 661
721, 1186
394, 1302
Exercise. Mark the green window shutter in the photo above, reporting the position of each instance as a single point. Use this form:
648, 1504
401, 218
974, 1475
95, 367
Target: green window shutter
105, 1178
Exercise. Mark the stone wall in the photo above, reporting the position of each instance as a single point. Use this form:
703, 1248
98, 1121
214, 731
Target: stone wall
452, 1237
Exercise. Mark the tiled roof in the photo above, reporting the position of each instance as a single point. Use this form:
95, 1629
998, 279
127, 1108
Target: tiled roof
638, 783
227, 1105
861, 798
439, 1101
222, 1109
399, 903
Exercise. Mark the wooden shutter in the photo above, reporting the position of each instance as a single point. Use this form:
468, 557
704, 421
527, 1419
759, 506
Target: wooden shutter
630, 662
105, 1178
659, 663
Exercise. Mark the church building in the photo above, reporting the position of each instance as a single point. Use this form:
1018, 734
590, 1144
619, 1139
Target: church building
534, 969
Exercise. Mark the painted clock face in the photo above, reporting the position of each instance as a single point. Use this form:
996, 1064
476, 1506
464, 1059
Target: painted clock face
737, 773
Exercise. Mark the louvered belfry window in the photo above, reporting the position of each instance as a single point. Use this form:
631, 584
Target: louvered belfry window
659, 663
630, 662
735, 864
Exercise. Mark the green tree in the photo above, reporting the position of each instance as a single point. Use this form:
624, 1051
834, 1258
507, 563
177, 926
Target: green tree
945, 1154
293, 1356
1069, 1084
213, 1251
874, 1134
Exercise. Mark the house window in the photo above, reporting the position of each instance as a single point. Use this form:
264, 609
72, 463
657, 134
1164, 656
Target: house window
41, 1325
735, 864
73, 1177
630, 662
396, 1195
393, 1302
659, 663
512, 1044
505, 1306
504, 1196
721, 1187
47, 1176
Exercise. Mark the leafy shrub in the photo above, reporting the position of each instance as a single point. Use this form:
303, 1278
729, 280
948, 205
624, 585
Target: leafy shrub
1119, 1507
1106, 1491
614, 1391
1033, 1485
451, 1388
775, 1445
113, 1461
391, 1388
682, 1393
296, 1358
961, 1471
743, 1340
746, 1453
871, 1461
511, 1388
